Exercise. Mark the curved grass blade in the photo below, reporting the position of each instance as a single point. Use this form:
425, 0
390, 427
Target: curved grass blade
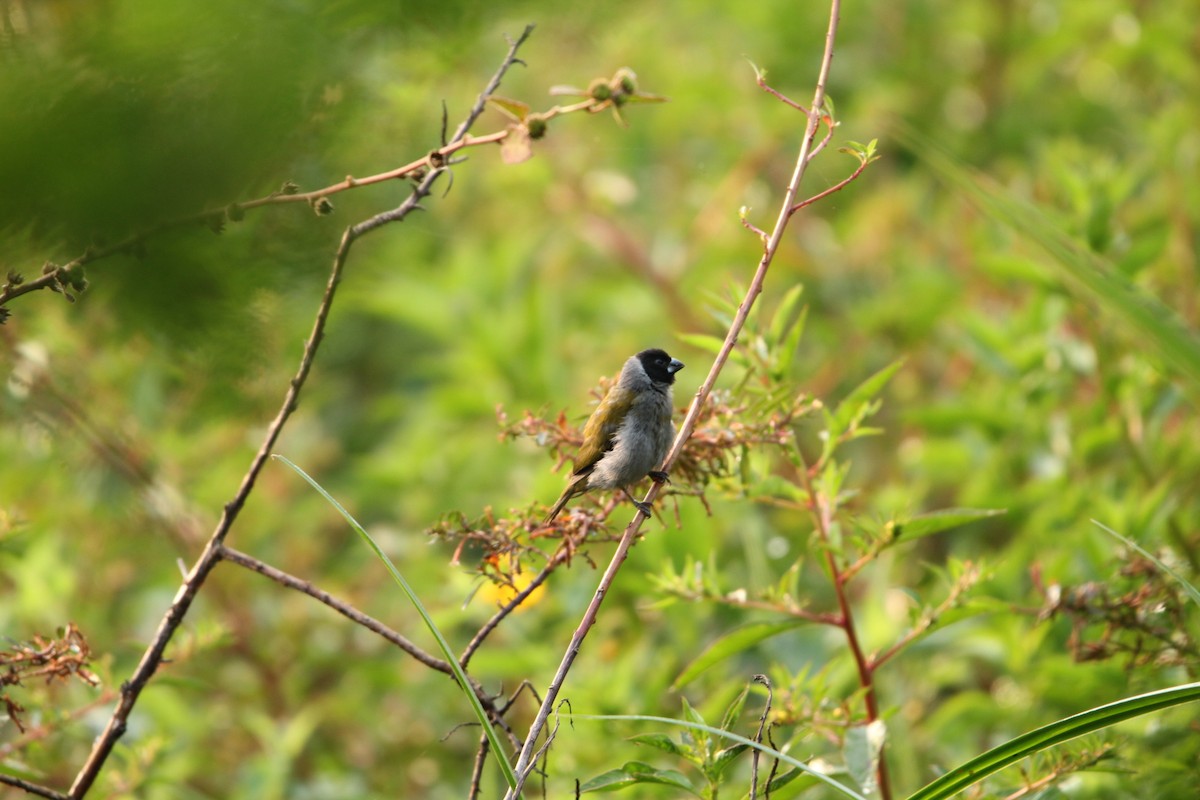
733, 737
493, 738
1046, 736
1187, 587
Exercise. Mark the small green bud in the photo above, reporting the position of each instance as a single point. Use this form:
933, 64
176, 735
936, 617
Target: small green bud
289, 187
77, 279
15, 278
322, 206
600, 90
536, 126
626, 80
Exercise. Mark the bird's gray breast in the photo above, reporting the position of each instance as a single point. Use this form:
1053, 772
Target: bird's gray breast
640, 443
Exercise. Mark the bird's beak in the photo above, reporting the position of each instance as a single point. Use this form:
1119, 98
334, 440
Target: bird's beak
674, 366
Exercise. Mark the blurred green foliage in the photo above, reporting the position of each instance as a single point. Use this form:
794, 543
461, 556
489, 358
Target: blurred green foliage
129, 416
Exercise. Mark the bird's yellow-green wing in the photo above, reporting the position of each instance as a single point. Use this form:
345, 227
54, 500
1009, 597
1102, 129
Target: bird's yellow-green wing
601, 427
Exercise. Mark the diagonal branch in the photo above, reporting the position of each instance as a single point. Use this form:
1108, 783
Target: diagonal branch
153, 656
365, 620
345, 609
31, 788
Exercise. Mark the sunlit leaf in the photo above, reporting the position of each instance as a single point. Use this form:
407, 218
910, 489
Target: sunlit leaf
514, 109
701, 341
855, 404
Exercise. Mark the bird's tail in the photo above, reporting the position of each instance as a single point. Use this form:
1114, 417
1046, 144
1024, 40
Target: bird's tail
577, 485
562, 502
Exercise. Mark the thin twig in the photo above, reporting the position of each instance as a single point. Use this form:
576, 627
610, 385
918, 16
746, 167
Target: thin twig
345, 609
477, 768
32, 788
930, 618
559, 557
837, 187
131, 690
526, 760
758, 737
370, 623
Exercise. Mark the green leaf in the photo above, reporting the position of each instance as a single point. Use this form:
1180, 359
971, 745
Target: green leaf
852, 408
785, 332
497, 743
786, 315
788, 348
732, 644
662, 742
722, 760
636, 772
702, 341
937, 521
996, 759
693, 714
779, 781
734, 711
775, 486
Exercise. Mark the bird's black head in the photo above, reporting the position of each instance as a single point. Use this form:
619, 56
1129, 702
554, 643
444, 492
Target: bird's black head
659, 366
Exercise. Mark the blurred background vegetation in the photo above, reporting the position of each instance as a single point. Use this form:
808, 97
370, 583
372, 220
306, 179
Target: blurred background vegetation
130, 415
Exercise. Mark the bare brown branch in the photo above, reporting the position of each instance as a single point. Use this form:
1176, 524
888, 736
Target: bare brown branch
153, 656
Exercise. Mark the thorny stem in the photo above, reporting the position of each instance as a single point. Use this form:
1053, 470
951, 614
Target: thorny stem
153, 656
525, 761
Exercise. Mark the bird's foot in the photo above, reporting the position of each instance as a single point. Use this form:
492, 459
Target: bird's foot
645, 508
658, 476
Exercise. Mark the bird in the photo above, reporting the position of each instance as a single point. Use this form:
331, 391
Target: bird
629, 433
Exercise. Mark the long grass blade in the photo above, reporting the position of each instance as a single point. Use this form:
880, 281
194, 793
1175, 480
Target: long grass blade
489, 730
